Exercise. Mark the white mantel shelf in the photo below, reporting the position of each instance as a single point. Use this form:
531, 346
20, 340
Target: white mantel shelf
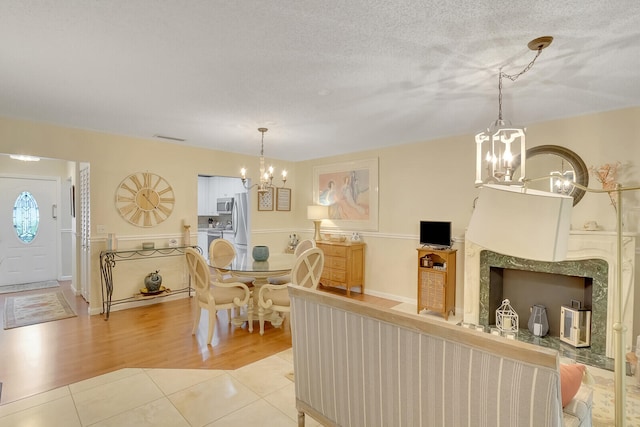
582, 245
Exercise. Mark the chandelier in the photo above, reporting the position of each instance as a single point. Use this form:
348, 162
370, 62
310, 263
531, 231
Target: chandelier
266, 174
561, 181
503, 143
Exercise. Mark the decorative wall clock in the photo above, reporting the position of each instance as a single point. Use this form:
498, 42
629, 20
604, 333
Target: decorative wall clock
145, 199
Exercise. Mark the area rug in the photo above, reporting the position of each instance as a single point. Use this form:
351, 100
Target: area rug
604, 401
6, 289
38, 308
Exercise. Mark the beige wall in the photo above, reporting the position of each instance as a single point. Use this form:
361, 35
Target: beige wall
112, 158
424, 180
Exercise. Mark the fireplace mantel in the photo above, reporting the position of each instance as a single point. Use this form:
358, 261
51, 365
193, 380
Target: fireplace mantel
583, 245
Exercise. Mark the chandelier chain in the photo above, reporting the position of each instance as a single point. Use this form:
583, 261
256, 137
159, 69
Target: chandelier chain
513, 78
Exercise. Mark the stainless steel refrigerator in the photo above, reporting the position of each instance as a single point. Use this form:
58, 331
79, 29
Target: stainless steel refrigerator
240, 217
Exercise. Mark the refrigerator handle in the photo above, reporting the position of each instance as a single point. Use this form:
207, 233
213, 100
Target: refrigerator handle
234, 219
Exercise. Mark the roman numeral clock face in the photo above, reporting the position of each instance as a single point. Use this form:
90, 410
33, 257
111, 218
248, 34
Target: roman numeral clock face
145, 199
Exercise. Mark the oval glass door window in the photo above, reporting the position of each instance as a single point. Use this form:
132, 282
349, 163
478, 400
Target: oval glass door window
26, 217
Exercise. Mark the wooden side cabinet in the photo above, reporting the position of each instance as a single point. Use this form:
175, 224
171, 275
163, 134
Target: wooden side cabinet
343, 264
437, 281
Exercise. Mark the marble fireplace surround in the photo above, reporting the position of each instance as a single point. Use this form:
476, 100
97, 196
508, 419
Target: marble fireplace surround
586, 246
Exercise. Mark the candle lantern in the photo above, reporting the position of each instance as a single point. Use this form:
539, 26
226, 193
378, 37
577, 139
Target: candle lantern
575, 325
506, 317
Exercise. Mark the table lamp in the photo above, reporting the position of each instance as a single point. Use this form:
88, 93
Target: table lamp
317, 213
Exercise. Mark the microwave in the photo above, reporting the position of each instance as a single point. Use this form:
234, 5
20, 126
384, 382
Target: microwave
224, 205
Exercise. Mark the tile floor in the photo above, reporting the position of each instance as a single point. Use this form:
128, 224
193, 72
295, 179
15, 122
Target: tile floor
258, 394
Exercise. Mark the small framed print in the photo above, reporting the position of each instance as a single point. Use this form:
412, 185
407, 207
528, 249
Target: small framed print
265, 200
283, 199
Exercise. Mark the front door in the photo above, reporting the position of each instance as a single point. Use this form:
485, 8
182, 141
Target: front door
33, 258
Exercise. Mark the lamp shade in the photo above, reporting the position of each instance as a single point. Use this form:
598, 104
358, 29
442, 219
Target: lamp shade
522, 222
317, 212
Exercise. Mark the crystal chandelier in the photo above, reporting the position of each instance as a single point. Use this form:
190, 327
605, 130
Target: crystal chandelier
502, 142
266, 174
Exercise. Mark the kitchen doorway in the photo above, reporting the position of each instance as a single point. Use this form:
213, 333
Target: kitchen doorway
223, 212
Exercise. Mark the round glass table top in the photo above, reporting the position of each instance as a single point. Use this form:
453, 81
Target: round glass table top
277, 263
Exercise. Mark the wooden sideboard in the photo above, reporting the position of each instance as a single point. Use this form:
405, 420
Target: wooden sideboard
343, 264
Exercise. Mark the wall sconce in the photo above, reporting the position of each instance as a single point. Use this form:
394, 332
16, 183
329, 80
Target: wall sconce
317, 213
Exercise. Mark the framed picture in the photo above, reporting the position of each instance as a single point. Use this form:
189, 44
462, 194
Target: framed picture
350, 190
283, 199
265, 200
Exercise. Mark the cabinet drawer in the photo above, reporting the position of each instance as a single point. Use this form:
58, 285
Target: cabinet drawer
338, 275
332, 283
327, 282
337, 251
335, 262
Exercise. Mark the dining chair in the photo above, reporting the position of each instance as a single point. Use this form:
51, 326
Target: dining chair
221, 254
303, 245
306, 272
210, 294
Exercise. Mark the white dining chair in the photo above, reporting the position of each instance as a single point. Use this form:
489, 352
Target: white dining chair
303, 245
306, 272
210, 294
221, 254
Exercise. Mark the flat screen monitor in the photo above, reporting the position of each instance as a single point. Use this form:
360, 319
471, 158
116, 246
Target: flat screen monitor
436, 234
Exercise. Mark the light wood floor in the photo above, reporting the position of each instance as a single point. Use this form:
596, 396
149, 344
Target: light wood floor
42, 357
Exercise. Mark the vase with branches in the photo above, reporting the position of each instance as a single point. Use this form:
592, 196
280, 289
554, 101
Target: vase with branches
607, 175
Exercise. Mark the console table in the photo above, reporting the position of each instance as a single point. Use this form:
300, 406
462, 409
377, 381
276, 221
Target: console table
108, 261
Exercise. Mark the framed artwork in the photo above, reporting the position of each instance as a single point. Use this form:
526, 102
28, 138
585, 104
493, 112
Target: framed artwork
283, 199
350, 190
265, 200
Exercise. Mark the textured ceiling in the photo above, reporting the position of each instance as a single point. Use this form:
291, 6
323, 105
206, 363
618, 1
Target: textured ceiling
326, 77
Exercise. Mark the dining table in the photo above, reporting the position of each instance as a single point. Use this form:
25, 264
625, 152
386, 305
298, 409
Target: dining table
242, 265
279, 264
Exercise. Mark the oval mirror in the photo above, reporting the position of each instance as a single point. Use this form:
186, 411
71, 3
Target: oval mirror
561, 163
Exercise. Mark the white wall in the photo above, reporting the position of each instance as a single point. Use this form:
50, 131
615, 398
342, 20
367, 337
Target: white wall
112, 158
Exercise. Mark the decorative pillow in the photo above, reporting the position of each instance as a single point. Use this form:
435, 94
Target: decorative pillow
570, 381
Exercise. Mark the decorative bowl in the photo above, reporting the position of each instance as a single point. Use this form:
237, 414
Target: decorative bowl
260, 253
